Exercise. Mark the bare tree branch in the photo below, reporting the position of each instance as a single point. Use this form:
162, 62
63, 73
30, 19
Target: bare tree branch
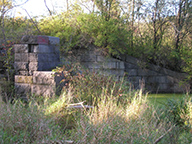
47, 7
21, 4
160, 138
32, 21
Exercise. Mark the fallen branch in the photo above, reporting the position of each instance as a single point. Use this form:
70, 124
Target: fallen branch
160, 138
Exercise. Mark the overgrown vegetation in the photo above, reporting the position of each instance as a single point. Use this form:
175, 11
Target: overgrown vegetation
158, 32
119, 115
151, 32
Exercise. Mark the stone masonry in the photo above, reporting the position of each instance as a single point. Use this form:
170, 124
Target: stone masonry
35, 57
94, 60
155, 79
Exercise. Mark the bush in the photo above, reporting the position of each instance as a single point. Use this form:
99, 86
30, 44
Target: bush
91, 86
179, 112
77, 29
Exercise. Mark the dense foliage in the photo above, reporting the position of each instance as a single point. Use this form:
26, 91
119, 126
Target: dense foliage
158, 32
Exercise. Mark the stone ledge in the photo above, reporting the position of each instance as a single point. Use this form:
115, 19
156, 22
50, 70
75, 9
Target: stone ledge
21, 48
45, 40
23, 79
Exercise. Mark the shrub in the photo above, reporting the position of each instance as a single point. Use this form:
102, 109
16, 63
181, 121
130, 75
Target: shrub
179, 112
91, 86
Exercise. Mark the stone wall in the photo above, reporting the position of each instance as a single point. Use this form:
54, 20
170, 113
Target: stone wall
154, 78
94, 60
35, 57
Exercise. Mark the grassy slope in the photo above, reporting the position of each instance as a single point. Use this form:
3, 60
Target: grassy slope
160, 99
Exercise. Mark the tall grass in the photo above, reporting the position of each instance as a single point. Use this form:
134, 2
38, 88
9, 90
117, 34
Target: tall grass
120, 115
20, 123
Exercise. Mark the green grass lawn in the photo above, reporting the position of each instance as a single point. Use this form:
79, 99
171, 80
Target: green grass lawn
161, 99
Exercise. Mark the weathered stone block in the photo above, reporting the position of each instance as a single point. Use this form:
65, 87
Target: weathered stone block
151, 79
43, 40
42, 66
163, 87
21, 88
34, 66
45, 49
110, 65
91, 65
161, 79
118, 73
171, 80
55, 57
44, 77
23, 79
21, 48
143, 72
87, 58
27, 39
54, 40
36, 57
132, 72
120, 65
135, 79
21, 66
44, 90
22, 72
131, 66
21, 57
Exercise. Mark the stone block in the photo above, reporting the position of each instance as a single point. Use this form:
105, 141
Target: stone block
162, 87
151, 79
21, 48
54, 40
22, 72
19, 66
118, 73
36, 57
34, 66
135, 79
44, 77
21, 88
87, 58
120, 65
23, 79
43, 40
132, 72
143, 72
45, 49
161, 79
131, 66
171, 79
42, 66
53, 57
21, 57
110, 65
91, 65
43, 90
29, 39
48, 78
101, 58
